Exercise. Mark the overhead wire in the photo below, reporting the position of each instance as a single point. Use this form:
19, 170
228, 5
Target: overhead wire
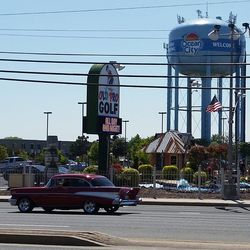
77, 74
85, 30
102, 54
113, 85
86, 37
120, 8
114, 62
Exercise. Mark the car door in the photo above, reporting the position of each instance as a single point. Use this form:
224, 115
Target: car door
79, 191
56, 194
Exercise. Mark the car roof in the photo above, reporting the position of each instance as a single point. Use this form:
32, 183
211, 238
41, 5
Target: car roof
84, 176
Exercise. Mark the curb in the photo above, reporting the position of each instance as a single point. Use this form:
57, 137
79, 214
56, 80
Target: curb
187, 202
54, 237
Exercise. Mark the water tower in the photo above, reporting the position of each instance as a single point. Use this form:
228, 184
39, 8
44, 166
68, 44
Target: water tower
196, 55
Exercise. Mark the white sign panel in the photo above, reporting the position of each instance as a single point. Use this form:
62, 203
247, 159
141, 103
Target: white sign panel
108, 95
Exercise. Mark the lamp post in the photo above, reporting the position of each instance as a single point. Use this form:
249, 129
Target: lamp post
162, 114
82, 103
229, 187
223, 128
125, 133
47, 113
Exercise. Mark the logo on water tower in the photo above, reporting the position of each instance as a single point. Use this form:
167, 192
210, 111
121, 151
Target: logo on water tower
191, 44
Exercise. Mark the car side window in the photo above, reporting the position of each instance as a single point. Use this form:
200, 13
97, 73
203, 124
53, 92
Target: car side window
67, 183
79, 183
55, 183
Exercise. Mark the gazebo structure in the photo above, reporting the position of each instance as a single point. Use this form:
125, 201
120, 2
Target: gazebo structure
169, 149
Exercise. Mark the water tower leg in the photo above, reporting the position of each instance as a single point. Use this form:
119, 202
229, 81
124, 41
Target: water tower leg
169, 97
189, 106
206, 116
176, 100
220, 98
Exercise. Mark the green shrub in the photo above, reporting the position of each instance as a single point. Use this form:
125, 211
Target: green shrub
187, 174
91, 170
129, 177
203, 177
146, 172
170, 172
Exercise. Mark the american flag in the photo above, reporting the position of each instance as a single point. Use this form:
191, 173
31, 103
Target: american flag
214, 105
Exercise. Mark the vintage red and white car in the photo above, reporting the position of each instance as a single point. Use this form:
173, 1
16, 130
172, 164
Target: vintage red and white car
75, 191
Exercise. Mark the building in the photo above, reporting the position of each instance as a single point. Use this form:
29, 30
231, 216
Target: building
33, 146
169, 148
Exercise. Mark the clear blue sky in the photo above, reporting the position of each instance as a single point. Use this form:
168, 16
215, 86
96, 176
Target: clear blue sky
22, 104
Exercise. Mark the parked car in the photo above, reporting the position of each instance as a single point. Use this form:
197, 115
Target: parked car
75, 191
11, 162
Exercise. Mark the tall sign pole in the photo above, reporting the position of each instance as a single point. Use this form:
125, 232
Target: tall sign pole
103, 104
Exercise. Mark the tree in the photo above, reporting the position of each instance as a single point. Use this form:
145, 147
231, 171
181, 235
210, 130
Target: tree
118, 147
135, 149
79, 147
196, 155
218, 150
245, 149
23, 154
93, 152
13, 138
219, 139
3, 153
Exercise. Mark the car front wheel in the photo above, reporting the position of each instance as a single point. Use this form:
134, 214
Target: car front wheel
111, 209
90, 207
25, 205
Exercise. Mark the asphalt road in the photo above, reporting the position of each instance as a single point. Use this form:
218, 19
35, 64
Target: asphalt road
169, 223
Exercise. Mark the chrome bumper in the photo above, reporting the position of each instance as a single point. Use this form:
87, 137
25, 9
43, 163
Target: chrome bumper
121, 202
12, 201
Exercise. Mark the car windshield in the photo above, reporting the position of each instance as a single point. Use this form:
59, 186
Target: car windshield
102, 181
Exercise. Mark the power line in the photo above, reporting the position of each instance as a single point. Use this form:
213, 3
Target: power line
120, 85
123, 63
119, 8
80, 54
86, 37
77, 74
85, 30
101, 54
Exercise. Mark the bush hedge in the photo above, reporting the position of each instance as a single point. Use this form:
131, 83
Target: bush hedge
170, 172
146, 172
187, 174
203, 177
91, 170
129, 177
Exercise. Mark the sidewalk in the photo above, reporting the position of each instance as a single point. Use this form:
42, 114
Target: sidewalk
182, 202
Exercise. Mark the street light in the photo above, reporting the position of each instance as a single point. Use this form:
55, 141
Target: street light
229, 189
125, 131
82, 103
162, 114
223, 128
47, 113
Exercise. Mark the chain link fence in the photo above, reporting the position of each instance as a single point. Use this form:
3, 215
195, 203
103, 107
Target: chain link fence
200, 181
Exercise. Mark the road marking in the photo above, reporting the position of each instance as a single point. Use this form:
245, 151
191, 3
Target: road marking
190, 213
23, 225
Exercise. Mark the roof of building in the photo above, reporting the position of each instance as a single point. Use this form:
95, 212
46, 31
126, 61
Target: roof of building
171, 142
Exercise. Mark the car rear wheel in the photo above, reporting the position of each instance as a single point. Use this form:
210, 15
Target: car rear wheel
25, 205
48, 209
111, 209
90, 207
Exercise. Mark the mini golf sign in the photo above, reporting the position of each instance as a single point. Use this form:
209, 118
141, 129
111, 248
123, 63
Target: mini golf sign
103, 100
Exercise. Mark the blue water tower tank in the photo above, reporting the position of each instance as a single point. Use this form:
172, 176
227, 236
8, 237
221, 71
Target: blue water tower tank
189, 43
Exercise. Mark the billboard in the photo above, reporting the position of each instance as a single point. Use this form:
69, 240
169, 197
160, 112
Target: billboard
103, 100
108, 92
